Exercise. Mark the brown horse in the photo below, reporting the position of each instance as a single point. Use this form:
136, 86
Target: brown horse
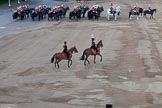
62, 56
89, 51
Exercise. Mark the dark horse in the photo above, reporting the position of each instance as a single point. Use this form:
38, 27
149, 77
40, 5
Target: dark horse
140, 11
92, 15
133, 13
52, 16
75, 15
62, 56
39, 15
84, 10
21, 15
89, 51
151, 12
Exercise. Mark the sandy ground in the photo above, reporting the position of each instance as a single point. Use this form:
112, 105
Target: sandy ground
130, 75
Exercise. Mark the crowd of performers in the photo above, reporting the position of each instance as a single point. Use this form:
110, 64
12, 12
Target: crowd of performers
75, 9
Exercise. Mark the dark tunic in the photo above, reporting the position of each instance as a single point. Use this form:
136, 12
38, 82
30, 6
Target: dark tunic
65, 49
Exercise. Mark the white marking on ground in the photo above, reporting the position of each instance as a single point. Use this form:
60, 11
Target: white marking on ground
2, 27
59, 84
8, 106
96, 90
123, 77
97, 76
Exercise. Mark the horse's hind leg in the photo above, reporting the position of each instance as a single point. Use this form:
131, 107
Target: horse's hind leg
86, 59
58, 64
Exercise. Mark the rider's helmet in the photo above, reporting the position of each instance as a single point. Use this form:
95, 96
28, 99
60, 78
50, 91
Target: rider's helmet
62, 5
65, 42
92, 37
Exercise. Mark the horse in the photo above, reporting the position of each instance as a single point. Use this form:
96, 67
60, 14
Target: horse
75, 15
114, 14
140, 11
53, 16
39, 15
64, 11
84, 10
62, 56
151, 12
89, 51
133, 13
96, 15
15, 15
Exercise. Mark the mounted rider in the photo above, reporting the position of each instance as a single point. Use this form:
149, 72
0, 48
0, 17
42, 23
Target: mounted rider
37, 10
94, 8
75, 9
19, 9
54, 10
112, 9
93, 44
65, 50
135, 8
149, 8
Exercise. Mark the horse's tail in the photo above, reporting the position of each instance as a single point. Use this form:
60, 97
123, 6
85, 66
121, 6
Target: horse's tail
52, 59
83, 55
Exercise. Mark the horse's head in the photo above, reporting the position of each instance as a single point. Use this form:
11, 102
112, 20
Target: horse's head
118, 9
154, 10
73, 49
67, 8
100, 44
102, 9
87, 8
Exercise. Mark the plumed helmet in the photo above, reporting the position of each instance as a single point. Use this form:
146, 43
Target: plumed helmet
92, 36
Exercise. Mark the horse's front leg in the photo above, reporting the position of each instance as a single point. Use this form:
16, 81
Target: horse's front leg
94, 59
71, 62
55, 63
100, 56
